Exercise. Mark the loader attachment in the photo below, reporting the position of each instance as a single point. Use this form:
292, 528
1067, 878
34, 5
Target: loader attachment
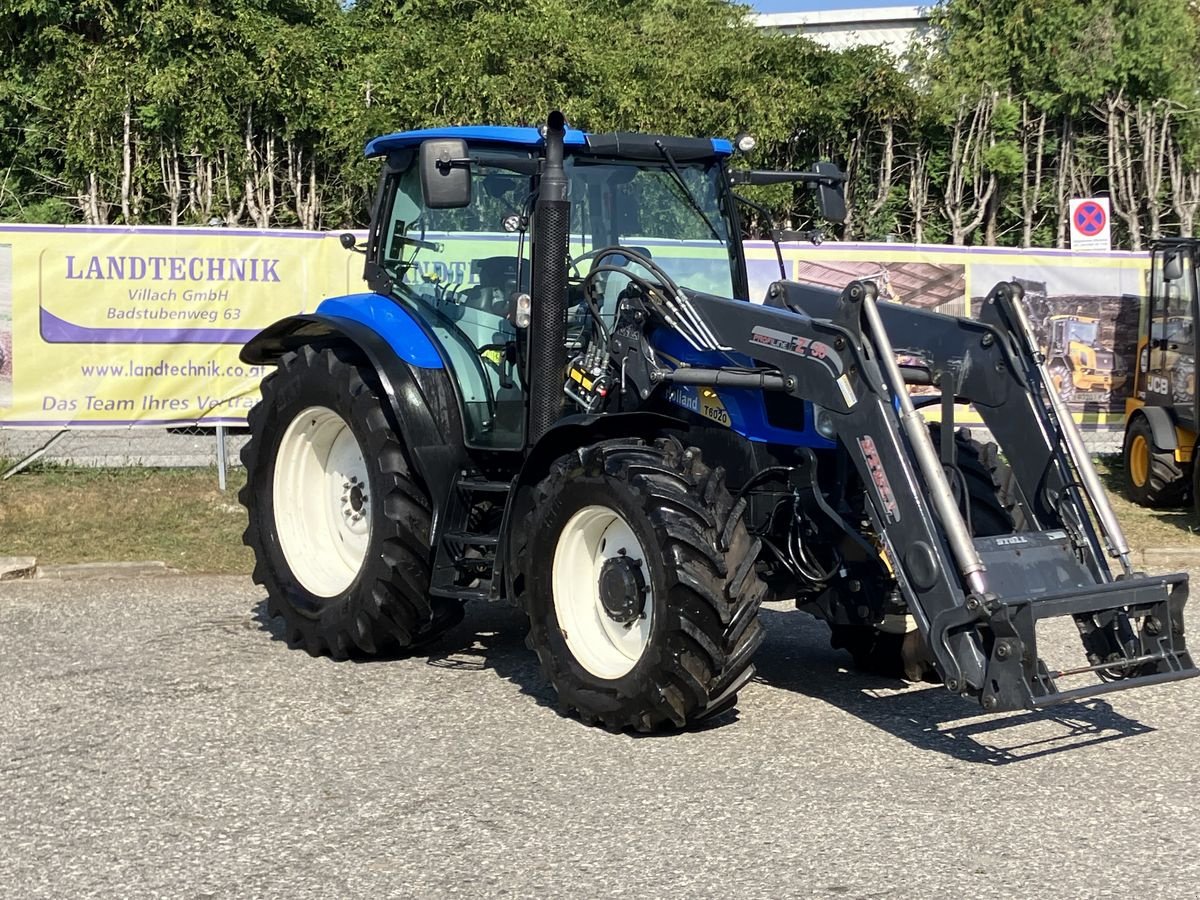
1131, 629
978, 601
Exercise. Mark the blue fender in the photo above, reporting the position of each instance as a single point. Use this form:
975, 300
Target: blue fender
413, 379
386, 318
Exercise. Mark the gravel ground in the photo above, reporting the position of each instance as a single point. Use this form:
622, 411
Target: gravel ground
158, 739
122, 446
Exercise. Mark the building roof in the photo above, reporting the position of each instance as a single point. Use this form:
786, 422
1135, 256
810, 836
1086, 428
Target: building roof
844, 17
893, 28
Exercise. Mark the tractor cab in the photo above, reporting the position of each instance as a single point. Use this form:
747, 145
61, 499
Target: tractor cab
452, 241
1161, 416
1166, 335
460, 260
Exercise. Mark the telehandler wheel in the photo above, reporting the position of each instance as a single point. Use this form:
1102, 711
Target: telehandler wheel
338, 525
1196, 478
1152, 477
1063, 381
993, 507
640, 590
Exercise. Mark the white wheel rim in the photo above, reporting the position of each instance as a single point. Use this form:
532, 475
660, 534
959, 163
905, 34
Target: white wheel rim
603, 646
322, 502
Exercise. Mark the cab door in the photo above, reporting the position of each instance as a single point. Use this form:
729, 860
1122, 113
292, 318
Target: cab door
1167, 356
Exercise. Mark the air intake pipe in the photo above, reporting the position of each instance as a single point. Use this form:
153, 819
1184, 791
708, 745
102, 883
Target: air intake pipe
547, 326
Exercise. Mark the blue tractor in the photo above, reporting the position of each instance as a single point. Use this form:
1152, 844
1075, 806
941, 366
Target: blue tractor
557, 393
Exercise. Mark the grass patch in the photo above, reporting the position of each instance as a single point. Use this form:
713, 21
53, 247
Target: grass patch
63, 514
1146, 528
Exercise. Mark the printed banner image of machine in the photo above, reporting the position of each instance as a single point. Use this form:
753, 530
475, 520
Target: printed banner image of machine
5, 326
1085, 323
595, 430
1161, 416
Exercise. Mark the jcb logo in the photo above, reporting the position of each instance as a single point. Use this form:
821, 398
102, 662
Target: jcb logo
1159, 385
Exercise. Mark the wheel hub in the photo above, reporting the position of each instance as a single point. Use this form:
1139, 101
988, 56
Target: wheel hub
603, 603
354, 499
623, 589
322, 508
1139, 461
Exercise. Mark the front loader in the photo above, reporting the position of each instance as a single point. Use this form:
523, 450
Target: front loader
586, 425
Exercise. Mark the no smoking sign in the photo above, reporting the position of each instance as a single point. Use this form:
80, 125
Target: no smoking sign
1091, 225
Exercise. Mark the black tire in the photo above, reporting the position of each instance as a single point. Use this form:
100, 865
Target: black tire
1063, 380
1195, 479
990, 483
1164, 482
994, 510
704, 628
386, 607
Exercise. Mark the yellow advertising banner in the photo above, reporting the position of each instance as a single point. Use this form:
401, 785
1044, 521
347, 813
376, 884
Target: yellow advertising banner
120, 326
1084, 307
111, 326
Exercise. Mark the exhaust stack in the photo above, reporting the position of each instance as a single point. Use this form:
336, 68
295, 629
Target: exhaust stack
547, 328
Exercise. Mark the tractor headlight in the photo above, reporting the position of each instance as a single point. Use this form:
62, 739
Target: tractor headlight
824, 422
745, 142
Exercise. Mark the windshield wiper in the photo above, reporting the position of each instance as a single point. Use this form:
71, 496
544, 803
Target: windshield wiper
687, 191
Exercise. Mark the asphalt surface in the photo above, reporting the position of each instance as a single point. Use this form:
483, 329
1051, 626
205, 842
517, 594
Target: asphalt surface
158, 739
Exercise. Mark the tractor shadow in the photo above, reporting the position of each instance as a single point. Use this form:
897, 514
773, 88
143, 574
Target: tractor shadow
796, 656
492, 636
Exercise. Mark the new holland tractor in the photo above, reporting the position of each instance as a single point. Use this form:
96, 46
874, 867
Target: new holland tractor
556, 393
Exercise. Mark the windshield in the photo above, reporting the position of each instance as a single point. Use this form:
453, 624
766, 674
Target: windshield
460, 269
1083, 332
643, 206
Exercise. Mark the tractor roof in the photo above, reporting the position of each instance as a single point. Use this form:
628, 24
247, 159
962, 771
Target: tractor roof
619, 144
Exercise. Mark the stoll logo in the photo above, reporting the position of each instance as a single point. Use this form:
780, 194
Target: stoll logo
172, 268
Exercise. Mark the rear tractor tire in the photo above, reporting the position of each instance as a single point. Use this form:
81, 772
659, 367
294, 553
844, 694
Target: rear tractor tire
1152, 476
338, 524
639, 587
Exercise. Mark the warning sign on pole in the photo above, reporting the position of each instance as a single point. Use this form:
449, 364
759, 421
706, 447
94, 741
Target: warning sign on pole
1091, 224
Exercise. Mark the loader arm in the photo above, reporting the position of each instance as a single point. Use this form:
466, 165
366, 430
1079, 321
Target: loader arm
976, 601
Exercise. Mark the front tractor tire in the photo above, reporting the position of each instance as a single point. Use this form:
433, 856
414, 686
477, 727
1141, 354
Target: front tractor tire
639, 586
338, 525
992, 508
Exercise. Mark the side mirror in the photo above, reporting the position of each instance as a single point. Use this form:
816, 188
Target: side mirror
1172, 266
830, 198
445, 174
